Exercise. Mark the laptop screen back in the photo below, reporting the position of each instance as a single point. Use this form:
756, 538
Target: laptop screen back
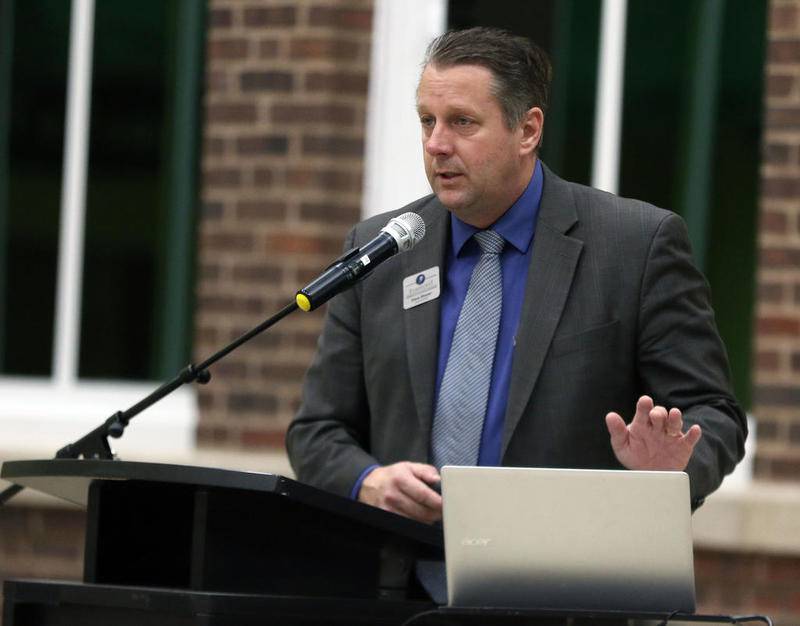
568, 539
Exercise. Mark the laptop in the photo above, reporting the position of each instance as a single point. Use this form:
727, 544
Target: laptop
568, 539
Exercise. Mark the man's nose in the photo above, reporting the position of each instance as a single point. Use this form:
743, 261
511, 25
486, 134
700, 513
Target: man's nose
439, 141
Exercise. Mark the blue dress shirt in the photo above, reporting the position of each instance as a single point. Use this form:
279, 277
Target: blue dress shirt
517, 227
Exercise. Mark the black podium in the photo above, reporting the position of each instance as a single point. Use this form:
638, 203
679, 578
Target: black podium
171, 545
180, 543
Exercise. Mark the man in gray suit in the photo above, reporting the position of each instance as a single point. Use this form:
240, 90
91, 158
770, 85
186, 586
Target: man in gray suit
602, 311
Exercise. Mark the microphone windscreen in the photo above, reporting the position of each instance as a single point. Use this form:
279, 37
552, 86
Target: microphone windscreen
407, 230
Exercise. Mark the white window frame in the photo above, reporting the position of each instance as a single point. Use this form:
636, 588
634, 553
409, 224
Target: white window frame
40, 415
393, 170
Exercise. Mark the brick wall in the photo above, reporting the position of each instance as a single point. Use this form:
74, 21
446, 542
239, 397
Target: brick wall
282, 174
746, 584
776, 374
41, 542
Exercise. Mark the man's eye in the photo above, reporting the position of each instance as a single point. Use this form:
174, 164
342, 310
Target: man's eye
426, 120
463, 121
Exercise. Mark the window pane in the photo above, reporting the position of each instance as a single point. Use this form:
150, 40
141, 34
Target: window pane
128, 190
35, 127
568, 31
661, 134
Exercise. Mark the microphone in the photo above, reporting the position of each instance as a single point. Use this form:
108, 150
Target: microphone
400, 234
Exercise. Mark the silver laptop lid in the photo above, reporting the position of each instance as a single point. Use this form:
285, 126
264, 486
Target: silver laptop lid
568, 539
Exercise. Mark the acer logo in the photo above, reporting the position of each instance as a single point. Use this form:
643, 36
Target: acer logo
476, 542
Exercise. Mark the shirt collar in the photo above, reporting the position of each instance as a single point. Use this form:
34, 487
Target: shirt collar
516, 225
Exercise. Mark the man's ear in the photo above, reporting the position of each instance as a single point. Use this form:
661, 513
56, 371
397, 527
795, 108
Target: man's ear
532, 128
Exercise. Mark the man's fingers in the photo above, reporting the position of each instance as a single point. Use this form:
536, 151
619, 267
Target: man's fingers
693, 435
421, 493
425, 472
617, 429
397, 488
674, 422
643, 408
658, 417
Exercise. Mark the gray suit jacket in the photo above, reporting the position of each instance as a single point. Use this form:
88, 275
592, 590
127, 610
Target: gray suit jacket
614, 308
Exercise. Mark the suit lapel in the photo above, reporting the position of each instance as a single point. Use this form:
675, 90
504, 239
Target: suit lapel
422, 322
555, 257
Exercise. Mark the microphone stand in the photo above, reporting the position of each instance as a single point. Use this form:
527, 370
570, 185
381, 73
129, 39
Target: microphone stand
94, 445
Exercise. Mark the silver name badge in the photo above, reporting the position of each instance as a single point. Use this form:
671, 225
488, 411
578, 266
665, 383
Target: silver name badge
421, 287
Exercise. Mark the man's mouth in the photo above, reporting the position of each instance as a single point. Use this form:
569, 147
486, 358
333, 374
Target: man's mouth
448, 175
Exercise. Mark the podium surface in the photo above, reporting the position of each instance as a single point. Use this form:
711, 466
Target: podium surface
214, 530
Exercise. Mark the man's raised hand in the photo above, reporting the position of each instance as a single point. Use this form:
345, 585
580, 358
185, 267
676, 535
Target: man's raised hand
654, 440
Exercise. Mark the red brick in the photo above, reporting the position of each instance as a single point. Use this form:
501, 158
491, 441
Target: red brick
781, 186
789, 326
335, 180
785, 469
206, 335
267, 81
287, 243
783, 17
227, 49
304, 340
329, 212
264, 438
357, 19
230, 304
262, 176
780, 257
226, 242
222, 177
768, 430
270, 16
313, 113
257, 272
778, 117
340, 82
264, 144
213, 146
767, 360
332, 146
780, 85
231, 113
261, 210
777, 395
774, 221
220, 18
216, 81
784, 51
770, 293
794, 437
252, 401
777, 153
324, 48
208, 271
212, 210
268, 48
213, 435
283, 372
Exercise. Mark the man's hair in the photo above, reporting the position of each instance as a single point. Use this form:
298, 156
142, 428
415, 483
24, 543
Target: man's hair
520, 69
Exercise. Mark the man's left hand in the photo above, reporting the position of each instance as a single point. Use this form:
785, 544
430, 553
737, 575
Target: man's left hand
654, 440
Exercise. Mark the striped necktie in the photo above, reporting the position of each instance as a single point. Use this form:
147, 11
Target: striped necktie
464, 390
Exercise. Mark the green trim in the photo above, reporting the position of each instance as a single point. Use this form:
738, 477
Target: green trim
699, 130
554, 140
184, 81
6, 66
